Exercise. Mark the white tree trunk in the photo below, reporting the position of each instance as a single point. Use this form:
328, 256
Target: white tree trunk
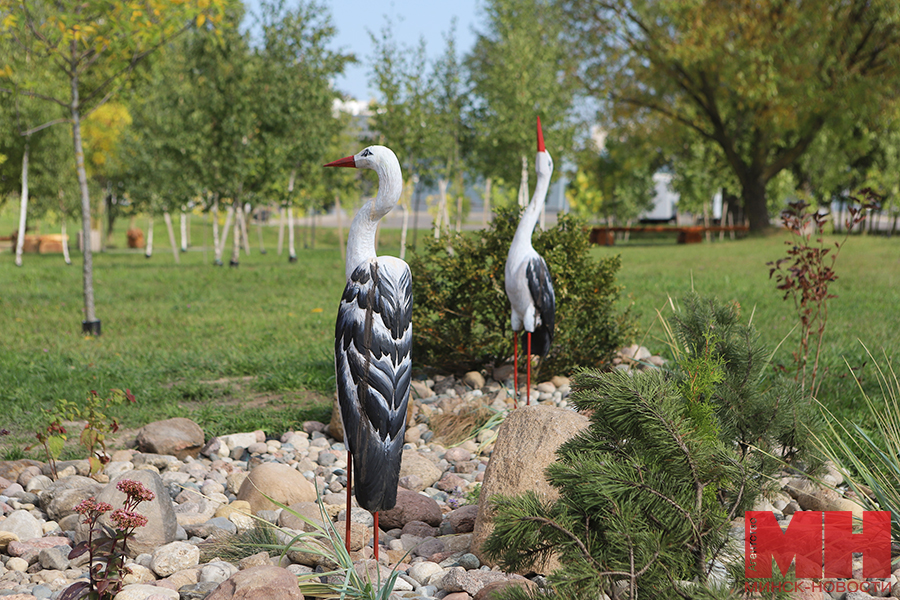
340, 224
236, 239
65, 240
229, 214
90, 324
523, 185
217, 258
149, 250
292, 253
404, 228
243, 229
442, 219
281, 223
187, 220
23, 207
183, 228
486, 210
168, 219
459, 210
259, 231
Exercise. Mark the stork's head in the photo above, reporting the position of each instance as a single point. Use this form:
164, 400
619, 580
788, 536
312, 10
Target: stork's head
543, 164
372, 157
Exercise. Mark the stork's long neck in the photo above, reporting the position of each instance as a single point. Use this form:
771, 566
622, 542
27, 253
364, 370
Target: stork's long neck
361, 239
532, 212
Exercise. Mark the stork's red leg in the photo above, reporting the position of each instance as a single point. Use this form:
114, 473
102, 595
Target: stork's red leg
376, 536
515, 369
347, 512
528, 380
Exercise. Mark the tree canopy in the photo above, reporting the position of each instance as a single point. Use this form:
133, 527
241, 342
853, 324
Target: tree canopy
757, 80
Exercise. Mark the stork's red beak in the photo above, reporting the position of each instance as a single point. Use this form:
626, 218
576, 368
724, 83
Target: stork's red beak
540, 138
347, 161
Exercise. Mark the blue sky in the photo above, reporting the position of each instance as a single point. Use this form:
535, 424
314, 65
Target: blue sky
412, 20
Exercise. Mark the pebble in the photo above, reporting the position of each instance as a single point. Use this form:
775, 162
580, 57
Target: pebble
440, 563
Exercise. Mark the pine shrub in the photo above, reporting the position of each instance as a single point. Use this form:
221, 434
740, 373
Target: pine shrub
462, 314
648, 491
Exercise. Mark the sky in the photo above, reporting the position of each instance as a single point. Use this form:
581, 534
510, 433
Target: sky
411, 19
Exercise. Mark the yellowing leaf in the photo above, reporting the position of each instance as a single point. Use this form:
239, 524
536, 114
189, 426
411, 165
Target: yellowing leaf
201, 19
317, 310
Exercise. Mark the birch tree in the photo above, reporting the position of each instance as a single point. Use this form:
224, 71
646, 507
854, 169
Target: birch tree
89, 47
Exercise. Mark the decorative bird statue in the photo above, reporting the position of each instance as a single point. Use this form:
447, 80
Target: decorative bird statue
528, 283
372, 343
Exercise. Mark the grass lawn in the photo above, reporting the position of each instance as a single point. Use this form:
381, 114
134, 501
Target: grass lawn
247, 348
865, 309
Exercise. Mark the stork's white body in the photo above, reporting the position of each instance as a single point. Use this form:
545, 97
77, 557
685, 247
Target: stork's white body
522, 254
528, 283
373, 340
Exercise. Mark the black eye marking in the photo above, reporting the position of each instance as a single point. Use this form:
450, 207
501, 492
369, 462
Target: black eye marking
366, 152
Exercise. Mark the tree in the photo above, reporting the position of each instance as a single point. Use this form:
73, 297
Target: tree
519, 69
757, 79
89, 46
401, 116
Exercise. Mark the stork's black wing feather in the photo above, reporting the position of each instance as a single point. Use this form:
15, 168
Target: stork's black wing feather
541, 287
373, 340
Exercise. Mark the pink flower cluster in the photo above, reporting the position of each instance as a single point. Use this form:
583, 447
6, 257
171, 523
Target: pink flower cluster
127, 519
135, 491
91, 506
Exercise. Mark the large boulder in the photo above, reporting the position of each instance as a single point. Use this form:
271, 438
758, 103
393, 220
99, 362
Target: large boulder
178, 437
526, 445
258, 583
411, 506
279, 482
161, 521
60, 498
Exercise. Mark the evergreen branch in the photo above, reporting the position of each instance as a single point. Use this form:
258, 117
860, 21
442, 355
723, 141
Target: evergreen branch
554, 525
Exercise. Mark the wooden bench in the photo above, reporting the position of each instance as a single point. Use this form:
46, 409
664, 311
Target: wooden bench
693, 234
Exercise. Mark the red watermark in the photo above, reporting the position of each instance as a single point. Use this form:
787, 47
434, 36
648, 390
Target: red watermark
821, 544
805, 585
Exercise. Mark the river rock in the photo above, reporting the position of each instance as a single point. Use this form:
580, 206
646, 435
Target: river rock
277, 481
526, 444
411, 506
413, 463
174, 557
259, 583
23, 525
162, 523
179, 437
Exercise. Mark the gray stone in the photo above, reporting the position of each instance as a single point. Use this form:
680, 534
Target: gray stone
174, 557
197, 591
469, 562
23, 524
217, 571
179, 437
41, 592
142, 591
55, 558
161, 525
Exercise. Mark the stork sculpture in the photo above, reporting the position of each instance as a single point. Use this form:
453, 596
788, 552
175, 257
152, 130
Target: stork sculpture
372, 343
528, 283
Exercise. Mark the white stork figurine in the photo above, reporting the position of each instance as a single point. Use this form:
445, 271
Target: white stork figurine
528, 283
372, 343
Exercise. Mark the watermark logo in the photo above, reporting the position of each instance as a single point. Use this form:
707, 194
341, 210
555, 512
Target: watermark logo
821, 544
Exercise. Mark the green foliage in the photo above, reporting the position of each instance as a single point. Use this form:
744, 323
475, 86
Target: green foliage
873, 459
649, 489
233, 547
462, 313
728, 72
519, 69
98, 425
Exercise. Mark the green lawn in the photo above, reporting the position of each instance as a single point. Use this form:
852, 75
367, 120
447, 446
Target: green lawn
865, 310
262, 333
